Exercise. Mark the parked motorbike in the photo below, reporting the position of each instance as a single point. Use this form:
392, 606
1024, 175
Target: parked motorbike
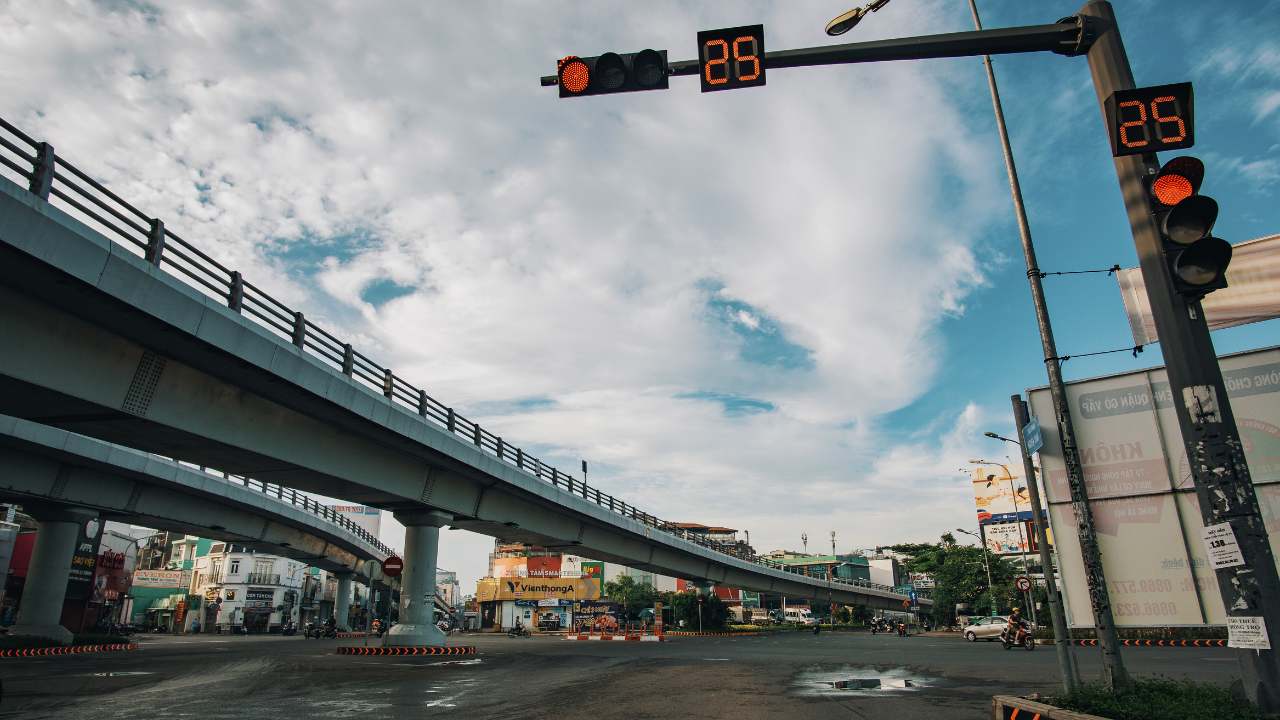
1020, 638
290, 628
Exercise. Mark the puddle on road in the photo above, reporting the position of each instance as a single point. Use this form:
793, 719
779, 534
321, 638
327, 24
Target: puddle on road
475, 661
818, 681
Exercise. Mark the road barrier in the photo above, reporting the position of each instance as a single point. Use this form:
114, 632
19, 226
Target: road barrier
70, 650
1007, 707
1157, 643
408, 650
629, 638
682, 632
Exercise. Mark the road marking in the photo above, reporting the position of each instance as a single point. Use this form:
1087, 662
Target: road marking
721, 659
120, 674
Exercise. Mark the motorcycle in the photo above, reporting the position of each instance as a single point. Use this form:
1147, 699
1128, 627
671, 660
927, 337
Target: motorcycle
311, 631
519, 632
902, 629
330, 632
1020, 638
290, 628
377, 628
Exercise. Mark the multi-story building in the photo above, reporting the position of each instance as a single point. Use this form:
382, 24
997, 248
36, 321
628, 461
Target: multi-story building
246, 589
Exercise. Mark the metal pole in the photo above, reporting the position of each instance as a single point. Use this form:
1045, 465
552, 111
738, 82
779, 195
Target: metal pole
1022, 539
1046, 557
1218, 465
1112, 665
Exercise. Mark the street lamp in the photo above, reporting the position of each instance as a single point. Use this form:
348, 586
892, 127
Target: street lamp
986, 564
845, 22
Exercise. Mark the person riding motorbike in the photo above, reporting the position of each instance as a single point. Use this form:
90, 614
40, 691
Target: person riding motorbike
1015, 625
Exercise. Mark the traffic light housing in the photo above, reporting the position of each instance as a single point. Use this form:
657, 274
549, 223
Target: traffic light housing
612, 73
1197, 261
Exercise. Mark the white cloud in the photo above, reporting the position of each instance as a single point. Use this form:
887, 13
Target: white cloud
562, 250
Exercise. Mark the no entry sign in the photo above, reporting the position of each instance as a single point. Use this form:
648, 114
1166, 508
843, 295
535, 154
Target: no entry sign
392, 566
1023, 584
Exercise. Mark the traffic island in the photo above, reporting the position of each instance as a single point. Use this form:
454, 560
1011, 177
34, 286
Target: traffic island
629, 638
736, 634
66, 650
408, 650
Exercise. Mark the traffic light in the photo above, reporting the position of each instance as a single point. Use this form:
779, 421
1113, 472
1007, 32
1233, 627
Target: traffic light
1197, 261
612, 73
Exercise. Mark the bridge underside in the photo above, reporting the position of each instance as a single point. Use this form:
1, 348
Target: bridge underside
46, 470
100, 343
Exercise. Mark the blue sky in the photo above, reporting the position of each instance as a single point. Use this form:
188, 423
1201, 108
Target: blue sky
785, 309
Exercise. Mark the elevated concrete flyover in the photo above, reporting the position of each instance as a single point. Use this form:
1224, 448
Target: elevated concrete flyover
63, 479
104, 343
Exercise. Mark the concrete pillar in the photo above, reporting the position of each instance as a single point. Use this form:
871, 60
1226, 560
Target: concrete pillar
342, 601
46, 586
418, 581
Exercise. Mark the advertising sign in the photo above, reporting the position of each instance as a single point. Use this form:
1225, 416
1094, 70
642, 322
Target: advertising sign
369, 519
1138, 480
596, 616
84, 559
259, 601
510, 567
489, 589
543, 567
593, 569
1000, 493
157, 578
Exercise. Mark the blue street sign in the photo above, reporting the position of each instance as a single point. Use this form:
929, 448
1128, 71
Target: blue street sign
1031, 434
913, 595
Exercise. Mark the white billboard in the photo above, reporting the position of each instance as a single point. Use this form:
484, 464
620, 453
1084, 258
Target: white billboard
1139, 484
368, 518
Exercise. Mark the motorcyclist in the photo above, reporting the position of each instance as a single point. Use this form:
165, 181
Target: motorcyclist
1015, 624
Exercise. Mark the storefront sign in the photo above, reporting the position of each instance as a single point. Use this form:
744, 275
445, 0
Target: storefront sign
84, 559
595, 616
259, 601
157, 578
536, 589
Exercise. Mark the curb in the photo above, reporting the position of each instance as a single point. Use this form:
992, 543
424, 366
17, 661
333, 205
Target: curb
1148, 643
631, 638
680, 632
408, 650
74, 649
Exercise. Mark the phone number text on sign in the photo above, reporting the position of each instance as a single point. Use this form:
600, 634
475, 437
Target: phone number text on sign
1140, 609
1144, 586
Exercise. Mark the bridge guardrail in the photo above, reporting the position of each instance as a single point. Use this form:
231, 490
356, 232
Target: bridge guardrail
52, 177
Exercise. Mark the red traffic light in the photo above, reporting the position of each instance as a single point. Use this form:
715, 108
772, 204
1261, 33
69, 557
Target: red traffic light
574, 75
1179, 179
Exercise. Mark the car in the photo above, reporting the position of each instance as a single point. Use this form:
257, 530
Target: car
986, 628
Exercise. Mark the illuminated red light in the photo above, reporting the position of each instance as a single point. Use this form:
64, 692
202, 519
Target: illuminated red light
574, 76
1172, 189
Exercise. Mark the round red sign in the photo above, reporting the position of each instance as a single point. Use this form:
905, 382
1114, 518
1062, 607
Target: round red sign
392, 566
1023, 584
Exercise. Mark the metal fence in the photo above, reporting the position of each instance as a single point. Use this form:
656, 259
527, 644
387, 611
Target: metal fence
55, 180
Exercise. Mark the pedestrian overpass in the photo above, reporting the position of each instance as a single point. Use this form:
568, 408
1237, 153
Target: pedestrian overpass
143, 340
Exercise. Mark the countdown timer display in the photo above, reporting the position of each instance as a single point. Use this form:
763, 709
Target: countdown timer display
1152, 119
731, 58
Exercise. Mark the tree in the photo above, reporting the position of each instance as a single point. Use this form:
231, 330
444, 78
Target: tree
631, 596
715, 614
960, 576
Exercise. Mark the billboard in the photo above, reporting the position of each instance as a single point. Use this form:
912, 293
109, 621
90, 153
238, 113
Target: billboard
515, 588
595, 616
368, 518
1139, 486
548, 567
1252, 293
259, 601
509, 567
1000, 493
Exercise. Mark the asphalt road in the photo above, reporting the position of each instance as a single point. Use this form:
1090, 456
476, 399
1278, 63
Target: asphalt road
767, 676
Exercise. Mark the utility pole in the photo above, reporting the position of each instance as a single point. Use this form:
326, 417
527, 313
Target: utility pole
1112, 665
1251, 589
1046, 556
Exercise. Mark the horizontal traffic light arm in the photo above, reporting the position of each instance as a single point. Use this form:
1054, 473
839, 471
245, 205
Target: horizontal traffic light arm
1073, 36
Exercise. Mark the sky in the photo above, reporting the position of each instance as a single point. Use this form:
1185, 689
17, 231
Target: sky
785, 309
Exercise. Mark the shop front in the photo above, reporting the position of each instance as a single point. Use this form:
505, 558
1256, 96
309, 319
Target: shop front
502, 601
259, 604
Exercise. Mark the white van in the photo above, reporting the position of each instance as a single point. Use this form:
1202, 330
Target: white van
799, 616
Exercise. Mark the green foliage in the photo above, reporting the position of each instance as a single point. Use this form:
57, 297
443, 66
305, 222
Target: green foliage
715, 614
631, 596
859, 614
1155, 699
960, 576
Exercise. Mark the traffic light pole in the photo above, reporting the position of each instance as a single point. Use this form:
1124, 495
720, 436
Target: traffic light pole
1212, 441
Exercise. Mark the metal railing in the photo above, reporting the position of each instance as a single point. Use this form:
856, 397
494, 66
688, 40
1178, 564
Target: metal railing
52, 178
263, 579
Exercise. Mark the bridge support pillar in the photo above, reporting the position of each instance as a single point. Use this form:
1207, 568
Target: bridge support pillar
42, 595
342, 601
418, 581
